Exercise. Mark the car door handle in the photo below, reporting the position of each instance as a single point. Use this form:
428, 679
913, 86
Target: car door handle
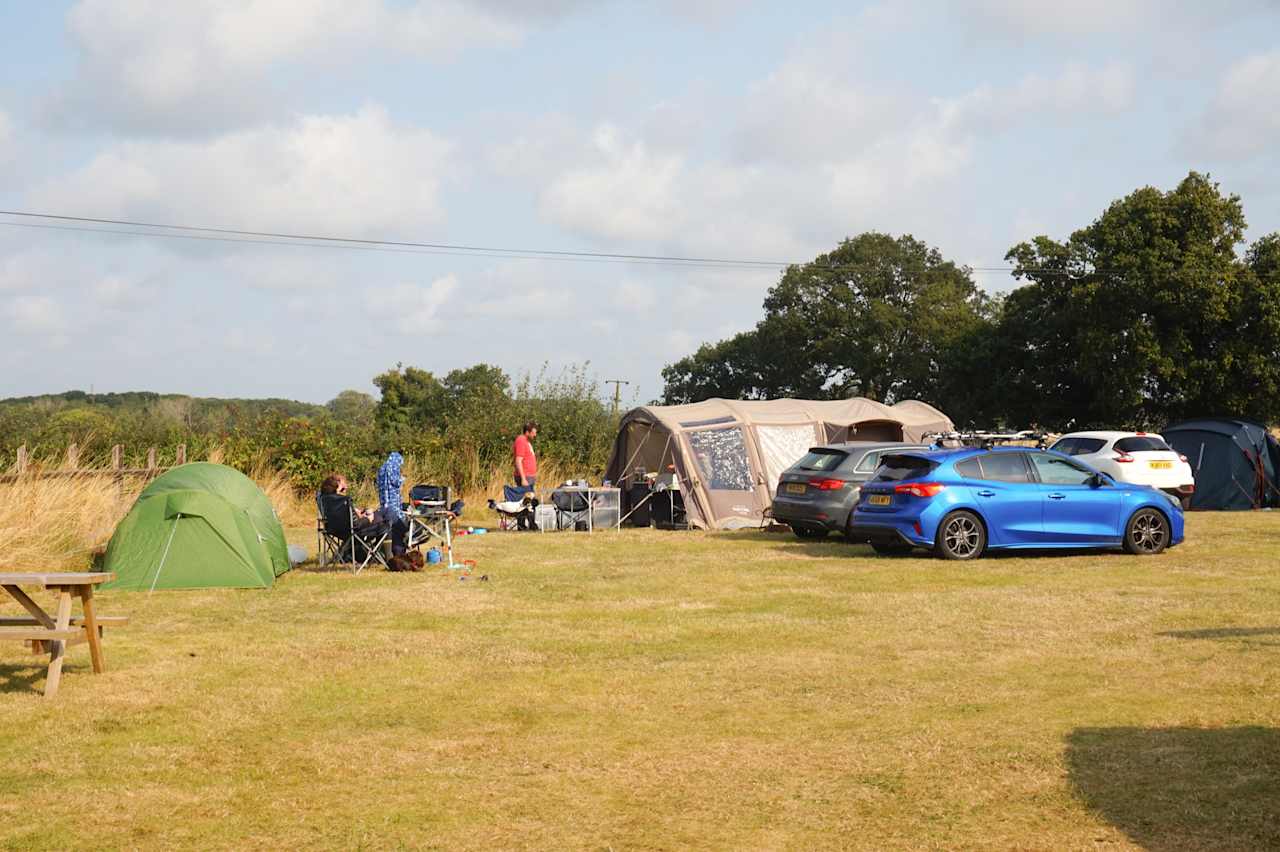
986, 493
1056, 496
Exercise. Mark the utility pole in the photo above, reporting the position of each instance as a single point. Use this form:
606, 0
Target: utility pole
617, 392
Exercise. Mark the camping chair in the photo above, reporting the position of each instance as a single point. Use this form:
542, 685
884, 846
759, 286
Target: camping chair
430, 515
358, 545
327, 545
572, 509
516, 509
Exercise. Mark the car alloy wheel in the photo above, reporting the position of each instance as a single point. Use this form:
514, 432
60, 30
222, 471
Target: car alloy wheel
961, 536
1148, 533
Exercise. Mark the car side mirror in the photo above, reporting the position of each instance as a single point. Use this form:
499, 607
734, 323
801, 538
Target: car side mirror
1098, 480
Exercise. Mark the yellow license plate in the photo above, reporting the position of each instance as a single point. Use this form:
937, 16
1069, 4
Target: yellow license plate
880, 500
795, 488
1165, 465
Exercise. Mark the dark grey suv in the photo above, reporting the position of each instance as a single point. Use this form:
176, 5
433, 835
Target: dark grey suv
817, 494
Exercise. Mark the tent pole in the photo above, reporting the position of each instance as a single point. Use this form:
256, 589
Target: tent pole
627, 466
164, 555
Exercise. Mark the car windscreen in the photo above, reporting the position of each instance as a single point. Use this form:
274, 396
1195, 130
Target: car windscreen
1141, 444
1078, 446
896, 468
821, 459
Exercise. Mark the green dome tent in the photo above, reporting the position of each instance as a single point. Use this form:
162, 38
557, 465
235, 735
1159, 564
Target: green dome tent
198, 526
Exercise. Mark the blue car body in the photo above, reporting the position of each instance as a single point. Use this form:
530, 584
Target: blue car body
1025, 498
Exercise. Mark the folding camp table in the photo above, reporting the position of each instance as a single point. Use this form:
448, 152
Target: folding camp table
424, 525
55, 633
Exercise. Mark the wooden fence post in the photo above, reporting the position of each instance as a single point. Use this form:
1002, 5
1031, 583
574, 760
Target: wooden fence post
116, 453
180, 457
20, 465
73, 456
151, 458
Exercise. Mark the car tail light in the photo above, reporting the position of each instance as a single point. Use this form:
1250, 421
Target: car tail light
1184, 458
919, 489
827, 484
1122, 457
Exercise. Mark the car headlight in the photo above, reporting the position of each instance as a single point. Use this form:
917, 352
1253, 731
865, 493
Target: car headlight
1174, 500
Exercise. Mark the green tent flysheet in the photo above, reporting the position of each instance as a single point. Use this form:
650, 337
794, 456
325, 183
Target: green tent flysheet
198, 526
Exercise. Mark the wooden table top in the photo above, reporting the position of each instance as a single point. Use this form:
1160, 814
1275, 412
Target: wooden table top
55, 578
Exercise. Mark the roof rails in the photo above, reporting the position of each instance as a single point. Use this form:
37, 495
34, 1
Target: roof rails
985, 440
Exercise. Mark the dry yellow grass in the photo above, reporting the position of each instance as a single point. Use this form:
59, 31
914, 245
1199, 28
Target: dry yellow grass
59, 522
649, 690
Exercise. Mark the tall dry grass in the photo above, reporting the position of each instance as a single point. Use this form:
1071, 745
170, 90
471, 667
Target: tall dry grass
58, 523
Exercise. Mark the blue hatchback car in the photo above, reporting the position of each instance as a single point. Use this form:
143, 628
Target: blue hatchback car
961, 503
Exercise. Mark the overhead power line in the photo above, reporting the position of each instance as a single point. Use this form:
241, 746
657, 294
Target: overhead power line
133, 228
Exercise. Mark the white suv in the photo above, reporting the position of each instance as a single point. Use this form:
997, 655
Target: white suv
1142, 458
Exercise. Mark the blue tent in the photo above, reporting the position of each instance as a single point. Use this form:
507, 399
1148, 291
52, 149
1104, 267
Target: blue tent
1236, 462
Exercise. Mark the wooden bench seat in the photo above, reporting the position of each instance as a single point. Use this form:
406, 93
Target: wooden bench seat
36, 633
26, 620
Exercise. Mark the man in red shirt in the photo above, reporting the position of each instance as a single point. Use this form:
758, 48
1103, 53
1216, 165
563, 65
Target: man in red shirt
526, 464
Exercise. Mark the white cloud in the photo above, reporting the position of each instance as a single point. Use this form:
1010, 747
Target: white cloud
201, 66
416, 307
1075, 92
1243, 121
117, 292
7, 140
348, 174
38, 314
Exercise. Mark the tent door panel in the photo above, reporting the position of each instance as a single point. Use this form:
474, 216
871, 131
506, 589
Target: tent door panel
782, 445
724, 469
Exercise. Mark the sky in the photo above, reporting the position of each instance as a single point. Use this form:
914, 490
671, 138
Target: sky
688, 128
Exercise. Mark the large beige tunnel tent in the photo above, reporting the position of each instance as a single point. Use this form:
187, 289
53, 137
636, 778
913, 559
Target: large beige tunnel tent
729, 453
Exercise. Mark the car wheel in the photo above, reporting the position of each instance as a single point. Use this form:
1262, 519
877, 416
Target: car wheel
960, 536
1147, 533
809, 532
890, 548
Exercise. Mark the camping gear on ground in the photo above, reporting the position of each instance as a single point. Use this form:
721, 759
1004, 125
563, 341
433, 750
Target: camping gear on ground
52, 633
297, 554
728, 454
1236, 462
349, 538
198, 526
544, 518
433, 556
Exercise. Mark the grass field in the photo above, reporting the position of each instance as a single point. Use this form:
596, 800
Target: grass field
650, 690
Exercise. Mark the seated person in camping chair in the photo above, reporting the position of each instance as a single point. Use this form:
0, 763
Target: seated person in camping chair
344, 521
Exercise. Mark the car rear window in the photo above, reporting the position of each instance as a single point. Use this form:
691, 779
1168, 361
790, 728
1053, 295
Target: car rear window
1078, 446
820, 458
1141, 444
900, 468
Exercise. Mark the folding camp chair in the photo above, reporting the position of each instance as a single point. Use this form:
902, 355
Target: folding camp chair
572, 507
356, 544
327, 545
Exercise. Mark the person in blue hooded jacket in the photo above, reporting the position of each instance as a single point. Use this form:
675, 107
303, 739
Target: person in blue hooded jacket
390, 482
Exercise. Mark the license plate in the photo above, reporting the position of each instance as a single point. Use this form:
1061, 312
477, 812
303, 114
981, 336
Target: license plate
795, 488
1161, 465
880, 500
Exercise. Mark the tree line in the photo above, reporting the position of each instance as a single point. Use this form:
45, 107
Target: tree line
457, 427
1150, 314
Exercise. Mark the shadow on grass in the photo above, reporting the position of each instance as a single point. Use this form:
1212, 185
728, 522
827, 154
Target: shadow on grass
1181, 788
23, 677
1222, 633
1241, 635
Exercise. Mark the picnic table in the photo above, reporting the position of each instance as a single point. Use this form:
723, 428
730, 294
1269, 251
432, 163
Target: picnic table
54, 633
